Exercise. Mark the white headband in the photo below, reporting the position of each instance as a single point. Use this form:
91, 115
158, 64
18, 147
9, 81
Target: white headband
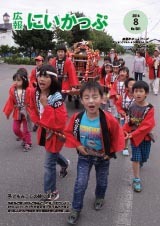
48, 73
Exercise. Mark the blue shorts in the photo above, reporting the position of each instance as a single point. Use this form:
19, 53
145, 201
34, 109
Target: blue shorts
141, 153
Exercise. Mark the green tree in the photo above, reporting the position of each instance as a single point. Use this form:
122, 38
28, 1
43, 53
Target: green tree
119, 49
4, 50
74, 35
101, 40
150, 48
34, 40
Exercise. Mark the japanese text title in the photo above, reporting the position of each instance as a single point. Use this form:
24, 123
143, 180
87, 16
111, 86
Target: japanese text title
66, 23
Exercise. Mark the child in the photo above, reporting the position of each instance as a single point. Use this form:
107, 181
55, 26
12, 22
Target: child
122, 62
49, 59
97, 136
65, 69
123, 104
33, 76
49, 113
141, 122
118, 87
102, 70
112, 77
18, 103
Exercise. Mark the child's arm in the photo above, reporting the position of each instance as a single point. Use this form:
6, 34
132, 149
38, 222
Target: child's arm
32, 110
32, 79
119, 107
54, 118
9, 106
143, 130
116, 134
71, 141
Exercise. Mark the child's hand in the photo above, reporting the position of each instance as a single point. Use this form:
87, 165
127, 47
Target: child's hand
43, 100
82, 150
127, 135
123, 114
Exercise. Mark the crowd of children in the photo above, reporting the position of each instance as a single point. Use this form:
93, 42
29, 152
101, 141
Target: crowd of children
115, 110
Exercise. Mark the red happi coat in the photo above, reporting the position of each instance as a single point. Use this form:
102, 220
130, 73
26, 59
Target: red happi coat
33, 78
145, 127
114, 91
70, 71
117, 142
109, 84
119, 106
51, 119
11, 104
150, 63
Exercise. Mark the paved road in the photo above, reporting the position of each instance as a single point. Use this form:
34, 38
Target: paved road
22, 173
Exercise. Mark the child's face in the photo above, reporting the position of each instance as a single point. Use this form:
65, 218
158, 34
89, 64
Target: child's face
39, 63
130, 85
115, 70
91, 100
18, 82
61, 54
50, 61
108, 69
123, 75
44, 82
139, 95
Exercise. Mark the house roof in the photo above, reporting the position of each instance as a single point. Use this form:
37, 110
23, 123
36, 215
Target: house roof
6, 14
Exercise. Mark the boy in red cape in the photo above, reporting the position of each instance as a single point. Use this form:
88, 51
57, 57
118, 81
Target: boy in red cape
65, 70
138, 129
96, 135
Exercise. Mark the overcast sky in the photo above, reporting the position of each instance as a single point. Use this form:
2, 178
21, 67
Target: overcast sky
115, 9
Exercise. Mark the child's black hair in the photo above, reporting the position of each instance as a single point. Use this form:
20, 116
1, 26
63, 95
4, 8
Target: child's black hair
23, 74
55, 85
141, 85
91, 85
124, 69
50, 57
107, 58
121, 63
116, 63
61, 47
127, 82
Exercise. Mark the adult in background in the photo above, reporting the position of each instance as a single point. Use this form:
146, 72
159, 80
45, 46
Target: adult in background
139, 64
153, 63
113, 55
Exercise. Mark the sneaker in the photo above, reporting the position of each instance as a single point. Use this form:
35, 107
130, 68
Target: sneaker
73, 217
125, 152
53, 196
63, 172
18, 138
27, 147
98, 204
137, 187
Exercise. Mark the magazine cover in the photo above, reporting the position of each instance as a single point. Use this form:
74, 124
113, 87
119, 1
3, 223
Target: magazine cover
79, 88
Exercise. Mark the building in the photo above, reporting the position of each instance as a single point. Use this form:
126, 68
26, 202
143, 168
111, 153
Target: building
6, 32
